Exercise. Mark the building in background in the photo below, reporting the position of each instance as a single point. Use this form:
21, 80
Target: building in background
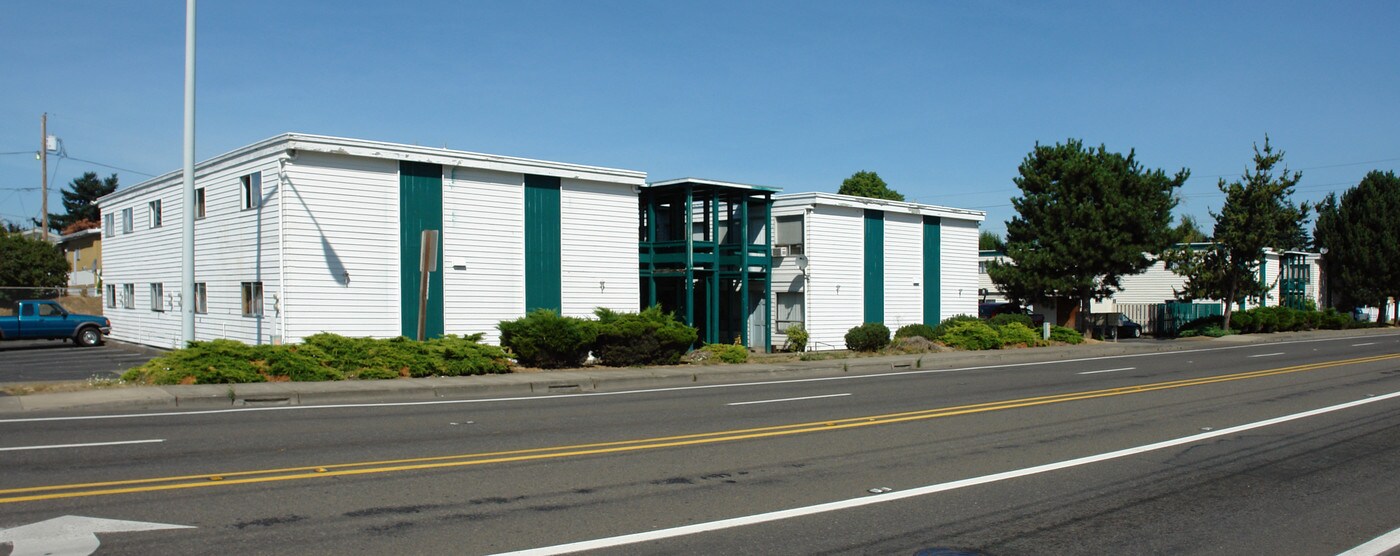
841, 261
83, 250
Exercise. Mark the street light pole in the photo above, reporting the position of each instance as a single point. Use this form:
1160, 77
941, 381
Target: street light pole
187, 305
44, 175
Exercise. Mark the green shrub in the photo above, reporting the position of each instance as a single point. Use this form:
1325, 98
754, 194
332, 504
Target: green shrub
651, 337
796, 338
971, 335
942, 328
1333, 320
915, 330
1009, 318
546, 340
1243, 322
1013, 333
728, 353
1066, 334
322, 357
871, 336
200, 362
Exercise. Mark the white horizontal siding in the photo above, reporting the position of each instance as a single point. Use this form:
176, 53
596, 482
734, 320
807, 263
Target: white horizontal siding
342, 250
232, 245
958, 267
904, 269
598, 247
483, 250
835, 290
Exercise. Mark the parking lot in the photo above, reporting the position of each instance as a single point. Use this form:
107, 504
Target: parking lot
28, 361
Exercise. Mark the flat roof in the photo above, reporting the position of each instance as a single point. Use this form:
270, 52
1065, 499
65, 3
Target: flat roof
834, 199
702, 181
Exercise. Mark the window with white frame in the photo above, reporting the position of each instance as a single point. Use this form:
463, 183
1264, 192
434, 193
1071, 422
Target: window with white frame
252, 190
787, 235
199, 203
128, 296
154, 208
112, 296
109, 225
126, 221
201, 298
252, 299
158, 297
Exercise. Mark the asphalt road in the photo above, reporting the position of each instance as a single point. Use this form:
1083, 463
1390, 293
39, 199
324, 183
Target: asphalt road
27, 361
1164, 453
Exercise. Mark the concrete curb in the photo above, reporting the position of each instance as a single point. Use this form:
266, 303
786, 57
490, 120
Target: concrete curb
271, 394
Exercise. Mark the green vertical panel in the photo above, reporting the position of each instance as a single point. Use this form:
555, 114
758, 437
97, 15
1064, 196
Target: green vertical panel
1264, 278
543, 269
420, 208
874, 266
933, 270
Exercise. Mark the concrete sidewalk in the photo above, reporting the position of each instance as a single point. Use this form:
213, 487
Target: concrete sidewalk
593, 379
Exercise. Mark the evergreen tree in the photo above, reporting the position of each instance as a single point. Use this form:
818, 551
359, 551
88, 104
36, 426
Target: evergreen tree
1362, 237
1188, 231
1258, 214
1086, 217
80, 200
869, 184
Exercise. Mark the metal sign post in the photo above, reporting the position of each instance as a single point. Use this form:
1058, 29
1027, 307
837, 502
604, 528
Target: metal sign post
426, 266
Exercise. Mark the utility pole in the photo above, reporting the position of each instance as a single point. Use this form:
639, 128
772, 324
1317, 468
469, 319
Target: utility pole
44, 161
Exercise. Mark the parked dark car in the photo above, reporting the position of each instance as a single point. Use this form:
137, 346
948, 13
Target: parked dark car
1127, 328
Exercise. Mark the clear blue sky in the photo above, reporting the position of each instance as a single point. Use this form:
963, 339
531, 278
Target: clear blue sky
943, 99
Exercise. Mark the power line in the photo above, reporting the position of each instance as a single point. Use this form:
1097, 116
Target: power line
18, 152
108, 166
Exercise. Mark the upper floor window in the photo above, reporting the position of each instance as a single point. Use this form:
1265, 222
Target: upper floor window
252, 190
126, 221
154, 208
109, 225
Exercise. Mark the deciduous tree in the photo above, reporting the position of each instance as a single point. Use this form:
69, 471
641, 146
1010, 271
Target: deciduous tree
27, 262
869, 184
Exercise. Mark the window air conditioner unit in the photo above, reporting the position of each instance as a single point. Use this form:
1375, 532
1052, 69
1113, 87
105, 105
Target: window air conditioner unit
780, 250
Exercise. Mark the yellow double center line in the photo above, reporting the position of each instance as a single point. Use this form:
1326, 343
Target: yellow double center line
31, 494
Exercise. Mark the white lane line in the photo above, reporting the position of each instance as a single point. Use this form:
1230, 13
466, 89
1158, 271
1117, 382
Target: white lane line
1267, 354
656, 390
926, 490
90, 445
1377, 546
1365, 344
1106, 371
790, 399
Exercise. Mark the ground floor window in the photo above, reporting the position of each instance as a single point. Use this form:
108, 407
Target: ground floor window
128, 296
112, 296
158, 297
790, 310
201, 298
252, 299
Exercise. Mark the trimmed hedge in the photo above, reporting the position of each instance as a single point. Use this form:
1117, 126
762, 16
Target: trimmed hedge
971, 335
915, 330
547, 340
651, 337
1011, 318
321, 357
1065, 334
871, 336
1014, 333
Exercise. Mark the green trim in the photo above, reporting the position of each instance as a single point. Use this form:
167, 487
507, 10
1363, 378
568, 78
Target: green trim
1264, 279
874, 266
933, 270
420, 208
543, 258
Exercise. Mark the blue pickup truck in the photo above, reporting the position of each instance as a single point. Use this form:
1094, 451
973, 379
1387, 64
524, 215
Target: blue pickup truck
47, 320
